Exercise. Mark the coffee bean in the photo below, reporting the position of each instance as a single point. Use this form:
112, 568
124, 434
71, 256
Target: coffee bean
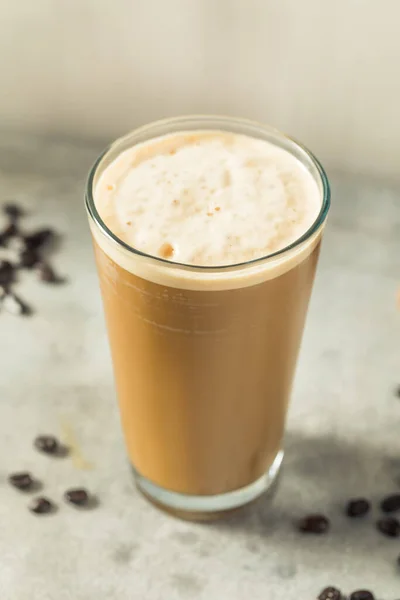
389, 526
358, 507
7, 273
391, 503
11, 230
14, 305
330, 593
22, 481
39, 238
12, 211
47, 274
41, 506
362, 595
314, 524
28, 258
47, 444
78, 496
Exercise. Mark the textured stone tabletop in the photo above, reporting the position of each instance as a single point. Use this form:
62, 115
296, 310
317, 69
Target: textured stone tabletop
343, 435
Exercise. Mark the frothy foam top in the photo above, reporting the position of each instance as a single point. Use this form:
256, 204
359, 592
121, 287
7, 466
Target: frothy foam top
207, 198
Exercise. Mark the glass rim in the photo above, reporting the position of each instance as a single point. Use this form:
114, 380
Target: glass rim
175, 121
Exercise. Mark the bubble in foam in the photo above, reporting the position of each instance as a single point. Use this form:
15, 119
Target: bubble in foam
166, 250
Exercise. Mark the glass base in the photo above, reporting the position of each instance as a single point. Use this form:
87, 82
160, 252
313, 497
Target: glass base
202, 508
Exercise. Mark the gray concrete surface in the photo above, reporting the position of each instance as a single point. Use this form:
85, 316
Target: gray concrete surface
343, 432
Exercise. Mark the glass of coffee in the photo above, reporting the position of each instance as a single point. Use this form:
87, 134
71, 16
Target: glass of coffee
206, 233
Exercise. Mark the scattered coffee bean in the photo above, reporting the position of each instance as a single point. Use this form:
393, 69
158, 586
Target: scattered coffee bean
10, 231
358, 507
13, 211
391, 503
47, 274
78, 496
39, 238
314, 524
7, 273
330, 593
389, 526
41, 506
362, 595
28, 258
22, 481
14, 305
47, 444
28, 252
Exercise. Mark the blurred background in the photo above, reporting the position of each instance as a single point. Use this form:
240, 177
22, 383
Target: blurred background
325, 72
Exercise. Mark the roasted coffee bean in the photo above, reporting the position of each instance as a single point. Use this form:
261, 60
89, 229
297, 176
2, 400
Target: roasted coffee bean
78, 496
358, 507
39, 238
47, 274
47, 444
362, 595
330, 593
389, 526
28, 258
14, 305
391, 503
22, 481
41, 505
7, 273
10, 231
13, 211
314, 524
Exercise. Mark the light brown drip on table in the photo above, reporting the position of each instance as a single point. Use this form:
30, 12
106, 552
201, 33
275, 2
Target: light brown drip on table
75, 452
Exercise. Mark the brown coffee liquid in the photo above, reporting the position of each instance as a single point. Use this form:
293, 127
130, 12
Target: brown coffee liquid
204, 377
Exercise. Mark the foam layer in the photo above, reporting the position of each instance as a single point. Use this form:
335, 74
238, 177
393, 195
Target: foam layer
207, 198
